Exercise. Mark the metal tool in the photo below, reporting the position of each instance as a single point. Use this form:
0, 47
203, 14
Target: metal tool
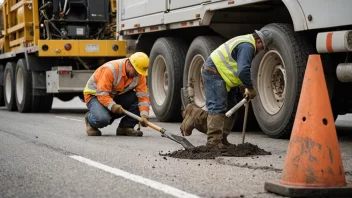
245, 121
236, 107
164, 133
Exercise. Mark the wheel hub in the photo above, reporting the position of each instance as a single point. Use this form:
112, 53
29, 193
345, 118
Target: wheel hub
160, 81
19, 86
272, 82
195, 81
278, 82
8, 88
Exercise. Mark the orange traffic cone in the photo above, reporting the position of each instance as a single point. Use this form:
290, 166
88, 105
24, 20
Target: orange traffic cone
313, 165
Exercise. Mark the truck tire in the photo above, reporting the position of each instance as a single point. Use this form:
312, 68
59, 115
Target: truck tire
278, 75
165, 77
23, 87
9, 86
25, 100
2, 95
198, 52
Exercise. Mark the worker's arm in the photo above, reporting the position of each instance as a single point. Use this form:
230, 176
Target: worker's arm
243, 54
143, 96
104, 87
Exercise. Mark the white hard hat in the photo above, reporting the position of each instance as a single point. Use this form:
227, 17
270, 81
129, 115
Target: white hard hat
266, 36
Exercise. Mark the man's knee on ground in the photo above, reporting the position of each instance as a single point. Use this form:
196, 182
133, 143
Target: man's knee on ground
101, 120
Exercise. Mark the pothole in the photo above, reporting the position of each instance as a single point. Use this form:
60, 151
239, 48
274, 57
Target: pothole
202, 152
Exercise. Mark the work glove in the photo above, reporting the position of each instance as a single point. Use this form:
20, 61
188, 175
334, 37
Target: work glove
249, 93
242, 89
117, 109
144, 121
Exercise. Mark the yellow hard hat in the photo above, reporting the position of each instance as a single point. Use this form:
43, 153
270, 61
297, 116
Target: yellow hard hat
140, 62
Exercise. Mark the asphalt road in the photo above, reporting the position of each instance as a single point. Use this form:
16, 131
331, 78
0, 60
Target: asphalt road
49, 155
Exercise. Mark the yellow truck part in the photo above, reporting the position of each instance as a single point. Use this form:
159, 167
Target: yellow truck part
81, 48
57, 45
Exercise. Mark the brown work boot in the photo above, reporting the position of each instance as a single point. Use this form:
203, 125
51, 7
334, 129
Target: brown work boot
228, 125
193, 118
128, 132
215, 130
91, 131
224, 140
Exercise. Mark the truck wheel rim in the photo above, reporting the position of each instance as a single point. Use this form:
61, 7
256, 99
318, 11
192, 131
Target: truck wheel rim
8, 88
195, 80
160, 80
19, 86
272, 82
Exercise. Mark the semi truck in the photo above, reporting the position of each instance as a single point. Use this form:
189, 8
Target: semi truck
179, 36
50, 48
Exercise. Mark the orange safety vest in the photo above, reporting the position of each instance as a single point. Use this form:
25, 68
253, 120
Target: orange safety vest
110, 80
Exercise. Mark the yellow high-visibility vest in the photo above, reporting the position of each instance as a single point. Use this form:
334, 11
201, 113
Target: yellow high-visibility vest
225, 64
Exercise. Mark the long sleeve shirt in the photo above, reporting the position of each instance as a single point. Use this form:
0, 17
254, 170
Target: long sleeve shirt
103, 87
243, 54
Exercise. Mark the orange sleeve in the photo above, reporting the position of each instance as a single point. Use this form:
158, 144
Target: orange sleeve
105, 80
143, 96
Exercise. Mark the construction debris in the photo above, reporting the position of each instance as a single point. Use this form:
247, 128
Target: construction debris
202, 152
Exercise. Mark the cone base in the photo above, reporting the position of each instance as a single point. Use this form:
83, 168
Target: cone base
303, 191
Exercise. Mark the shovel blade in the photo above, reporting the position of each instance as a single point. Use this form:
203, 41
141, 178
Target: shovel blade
181, 140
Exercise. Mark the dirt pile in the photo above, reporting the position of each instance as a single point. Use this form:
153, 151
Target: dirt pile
202, 152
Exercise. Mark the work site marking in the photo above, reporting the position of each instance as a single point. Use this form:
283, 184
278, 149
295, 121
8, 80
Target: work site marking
69, 119
77, 120
136, 178
61, 117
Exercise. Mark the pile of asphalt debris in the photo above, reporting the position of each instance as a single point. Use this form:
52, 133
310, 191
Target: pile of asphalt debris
203, 152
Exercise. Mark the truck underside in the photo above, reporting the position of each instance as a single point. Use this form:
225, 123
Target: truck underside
178, 50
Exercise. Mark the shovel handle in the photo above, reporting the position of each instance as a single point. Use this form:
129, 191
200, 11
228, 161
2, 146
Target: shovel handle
236, 107
151, 125
245, 122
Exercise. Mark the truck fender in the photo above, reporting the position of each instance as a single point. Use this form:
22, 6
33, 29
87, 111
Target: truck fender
297, 15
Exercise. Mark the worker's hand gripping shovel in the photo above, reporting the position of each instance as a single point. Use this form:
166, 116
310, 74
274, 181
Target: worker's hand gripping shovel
245, 102
181, 140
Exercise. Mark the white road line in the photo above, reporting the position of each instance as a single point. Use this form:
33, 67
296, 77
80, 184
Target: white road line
77, 120
136, 178
61, 117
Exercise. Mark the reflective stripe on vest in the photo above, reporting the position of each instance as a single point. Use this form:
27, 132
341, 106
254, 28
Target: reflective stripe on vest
225, 63
144, 104
91, 86
131, 86
142, 94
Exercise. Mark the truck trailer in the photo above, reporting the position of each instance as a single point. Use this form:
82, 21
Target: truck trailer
179, 35
50, 48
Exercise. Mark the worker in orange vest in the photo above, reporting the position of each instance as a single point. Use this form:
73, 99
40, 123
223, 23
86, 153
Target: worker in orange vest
116, 85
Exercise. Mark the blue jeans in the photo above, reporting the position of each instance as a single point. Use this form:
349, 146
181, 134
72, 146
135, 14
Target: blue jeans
101, 117
218, 100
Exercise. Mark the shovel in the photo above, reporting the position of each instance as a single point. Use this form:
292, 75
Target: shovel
245, 121
235, 108
181, 140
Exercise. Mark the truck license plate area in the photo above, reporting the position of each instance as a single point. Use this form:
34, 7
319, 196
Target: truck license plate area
92, 48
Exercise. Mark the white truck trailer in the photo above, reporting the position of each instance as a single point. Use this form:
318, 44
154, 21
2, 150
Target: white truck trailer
180, 34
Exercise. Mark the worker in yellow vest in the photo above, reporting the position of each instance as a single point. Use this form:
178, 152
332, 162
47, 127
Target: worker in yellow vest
224, 72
